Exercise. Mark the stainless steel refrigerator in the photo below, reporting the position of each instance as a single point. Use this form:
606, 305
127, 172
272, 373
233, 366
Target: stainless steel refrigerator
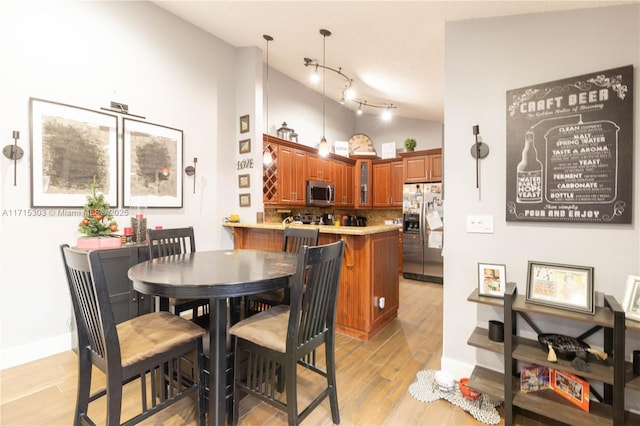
423, 226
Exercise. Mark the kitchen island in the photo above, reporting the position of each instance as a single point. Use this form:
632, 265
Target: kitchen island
368, 293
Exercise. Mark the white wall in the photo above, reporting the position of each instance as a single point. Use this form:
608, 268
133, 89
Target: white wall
485, 58
88, 54
428, 134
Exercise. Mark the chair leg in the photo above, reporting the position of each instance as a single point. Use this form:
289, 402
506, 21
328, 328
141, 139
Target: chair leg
291, 392
84, 386
114, 400
235, 388
202, 402
331, 378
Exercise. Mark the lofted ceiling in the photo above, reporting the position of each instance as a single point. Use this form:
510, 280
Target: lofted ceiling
393, 50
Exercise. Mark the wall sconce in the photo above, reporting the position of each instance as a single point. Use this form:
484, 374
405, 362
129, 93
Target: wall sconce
479, 150
14, 152
191, 171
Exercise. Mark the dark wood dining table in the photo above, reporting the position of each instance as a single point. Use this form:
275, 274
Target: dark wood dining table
216, 275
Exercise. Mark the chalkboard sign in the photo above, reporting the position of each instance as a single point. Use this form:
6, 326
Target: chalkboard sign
570, 149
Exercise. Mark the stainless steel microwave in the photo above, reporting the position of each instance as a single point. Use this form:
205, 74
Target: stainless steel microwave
320, 193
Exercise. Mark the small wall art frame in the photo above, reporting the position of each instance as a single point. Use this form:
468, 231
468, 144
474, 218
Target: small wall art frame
561, 286
152, 165
244, 123
492, 279
244, 200
244, 181
244, 146
71, 147
631, 300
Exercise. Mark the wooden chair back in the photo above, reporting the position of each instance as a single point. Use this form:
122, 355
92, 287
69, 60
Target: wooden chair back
167, 242
295, 238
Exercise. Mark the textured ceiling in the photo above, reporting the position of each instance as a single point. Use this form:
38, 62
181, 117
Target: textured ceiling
393, 50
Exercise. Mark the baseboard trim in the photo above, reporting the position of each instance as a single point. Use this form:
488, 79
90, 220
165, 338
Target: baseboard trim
35, 350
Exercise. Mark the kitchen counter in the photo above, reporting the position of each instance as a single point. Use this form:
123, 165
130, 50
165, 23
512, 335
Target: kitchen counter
368, 292
324, 229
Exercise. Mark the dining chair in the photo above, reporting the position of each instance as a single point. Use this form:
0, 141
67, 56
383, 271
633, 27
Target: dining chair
292, 241
283, 336
167, 242
155, 348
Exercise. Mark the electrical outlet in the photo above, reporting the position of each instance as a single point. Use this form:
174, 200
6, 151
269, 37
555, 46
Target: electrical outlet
482, 224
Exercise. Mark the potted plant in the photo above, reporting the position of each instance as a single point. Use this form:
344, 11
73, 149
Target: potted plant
97, 223
410, 144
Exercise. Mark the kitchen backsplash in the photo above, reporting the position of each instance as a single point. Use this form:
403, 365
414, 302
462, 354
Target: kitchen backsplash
374, 217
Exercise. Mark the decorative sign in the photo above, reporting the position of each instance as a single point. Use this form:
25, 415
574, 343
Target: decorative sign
341, 148
570, 149
389, 150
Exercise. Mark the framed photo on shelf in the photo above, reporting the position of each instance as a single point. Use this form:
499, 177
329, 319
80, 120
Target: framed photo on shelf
631, 300
492, 279
244, 181
152, 165
561, 286
71, 147
245, 146
244, 123
245, 200
571, 388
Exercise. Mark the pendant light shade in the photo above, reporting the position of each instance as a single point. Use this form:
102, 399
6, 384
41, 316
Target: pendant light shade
323, 148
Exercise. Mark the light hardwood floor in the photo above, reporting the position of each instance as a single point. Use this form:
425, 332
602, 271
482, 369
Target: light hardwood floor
373, 378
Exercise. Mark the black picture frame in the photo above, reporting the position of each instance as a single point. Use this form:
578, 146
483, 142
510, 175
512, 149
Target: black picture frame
561, 286
152, 165
70, 148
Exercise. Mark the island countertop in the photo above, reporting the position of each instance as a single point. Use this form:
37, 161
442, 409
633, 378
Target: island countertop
324, 229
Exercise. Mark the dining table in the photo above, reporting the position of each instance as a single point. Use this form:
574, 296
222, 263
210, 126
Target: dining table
217, 275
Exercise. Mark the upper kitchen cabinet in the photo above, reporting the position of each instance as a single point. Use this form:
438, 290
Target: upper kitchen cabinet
343, 177
293, 164
319, 169
363, 180
387, 183
422, 166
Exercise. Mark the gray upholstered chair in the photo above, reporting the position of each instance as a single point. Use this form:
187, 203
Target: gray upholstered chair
284, 336
155, 348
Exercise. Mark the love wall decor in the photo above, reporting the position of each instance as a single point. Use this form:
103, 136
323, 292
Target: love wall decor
570, 149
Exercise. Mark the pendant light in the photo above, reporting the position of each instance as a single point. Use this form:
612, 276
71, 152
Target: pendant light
267, 157
323, 148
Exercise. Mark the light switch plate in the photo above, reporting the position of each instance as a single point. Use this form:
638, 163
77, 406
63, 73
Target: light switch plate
482, 224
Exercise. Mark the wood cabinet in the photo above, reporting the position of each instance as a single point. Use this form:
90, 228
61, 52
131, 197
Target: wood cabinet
362, 184
284, 180
291, 172
319, 168
369, 272
609, 321
422, 166
387, 183
343, 178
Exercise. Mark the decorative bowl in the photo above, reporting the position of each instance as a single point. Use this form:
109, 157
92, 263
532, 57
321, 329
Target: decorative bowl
468, 393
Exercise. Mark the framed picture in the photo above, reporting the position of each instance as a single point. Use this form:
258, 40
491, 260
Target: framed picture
244, 181
71, 147
245, 146
152, 165
631, 300
570, 387
492, 279
561, 286
244, 123
245, 200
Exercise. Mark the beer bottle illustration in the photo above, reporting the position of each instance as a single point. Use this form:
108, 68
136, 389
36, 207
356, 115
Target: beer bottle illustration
529, 173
